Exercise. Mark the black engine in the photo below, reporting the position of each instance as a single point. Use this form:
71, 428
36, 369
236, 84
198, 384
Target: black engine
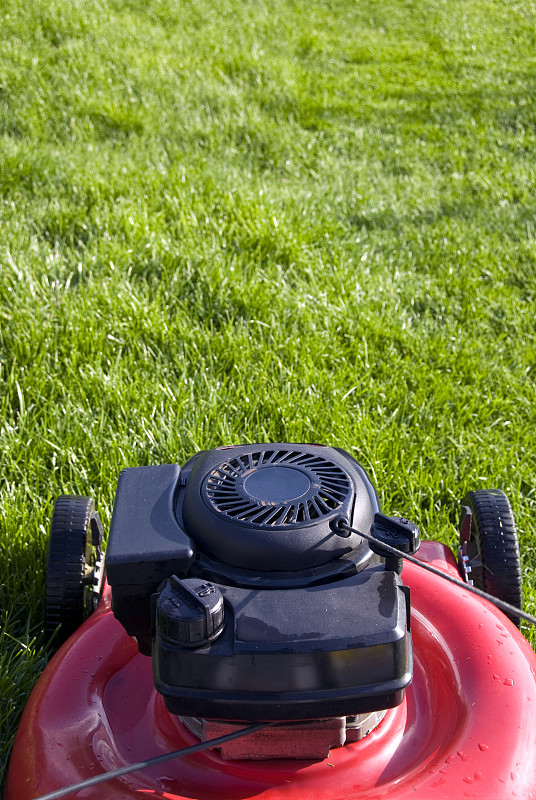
237, 573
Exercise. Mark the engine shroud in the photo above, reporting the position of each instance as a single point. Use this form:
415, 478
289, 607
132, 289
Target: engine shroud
232, 573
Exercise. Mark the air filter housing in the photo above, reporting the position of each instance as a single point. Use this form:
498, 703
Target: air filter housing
233, 573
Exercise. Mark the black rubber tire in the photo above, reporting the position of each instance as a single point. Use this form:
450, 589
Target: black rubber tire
493, 548
71, 553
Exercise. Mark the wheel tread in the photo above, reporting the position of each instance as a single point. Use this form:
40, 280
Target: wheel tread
493, 523
66, 563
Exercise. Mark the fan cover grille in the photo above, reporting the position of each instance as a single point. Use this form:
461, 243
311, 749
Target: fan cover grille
225, 489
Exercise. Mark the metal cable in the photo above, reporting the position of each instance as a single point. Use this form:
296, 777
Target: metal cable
502, 604
152, 762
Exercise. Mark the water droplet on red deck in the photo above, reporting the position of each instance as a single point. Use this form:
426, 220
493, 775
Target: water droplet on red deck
483, 747
508, 682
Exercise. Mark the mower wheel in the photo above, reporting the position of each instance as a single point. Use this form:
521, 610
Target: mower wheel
489, 549
74, 571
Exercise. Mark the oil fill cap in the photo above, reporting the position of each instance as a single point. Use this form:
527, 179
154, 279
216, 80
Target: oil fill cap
189, 612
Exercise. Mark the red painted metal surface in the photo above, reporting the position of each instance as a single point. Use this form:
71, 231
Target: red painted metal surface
467, 726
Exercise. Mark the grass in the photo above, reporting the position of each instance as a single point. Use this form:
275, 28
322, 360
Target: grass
241, 221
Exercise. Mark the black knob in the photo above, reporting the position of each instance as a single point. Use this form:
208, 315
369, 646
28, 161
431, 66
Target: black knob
397, 532
189, 612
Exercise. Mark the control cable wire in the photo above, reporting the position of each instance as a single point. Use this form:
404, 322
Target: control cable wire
502, 604
197, 748
153, 762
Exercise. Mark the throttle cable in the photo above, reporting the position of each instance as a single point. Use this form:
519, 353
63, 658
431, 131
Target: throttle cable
152, 762
502, 604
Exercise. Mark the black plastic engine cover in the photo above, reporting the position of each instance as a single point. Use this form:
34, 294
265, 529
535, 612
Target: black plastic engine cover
330, 650
146, 544
272, 507
233, 572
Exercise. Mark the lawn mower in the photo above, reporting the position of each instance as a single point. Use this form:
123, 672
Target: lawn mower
262, 629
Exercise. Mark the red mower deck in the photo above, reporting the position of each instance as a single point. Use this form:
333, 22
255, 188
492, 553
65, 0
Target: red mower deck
466, 726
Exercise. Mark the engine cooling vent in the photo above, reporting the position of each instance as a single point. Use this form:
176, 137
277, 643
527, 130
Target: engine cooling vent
276, 487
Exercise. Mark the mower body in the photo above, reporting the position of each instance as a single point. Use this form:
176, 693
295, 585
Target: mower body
465, 728
239, 590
